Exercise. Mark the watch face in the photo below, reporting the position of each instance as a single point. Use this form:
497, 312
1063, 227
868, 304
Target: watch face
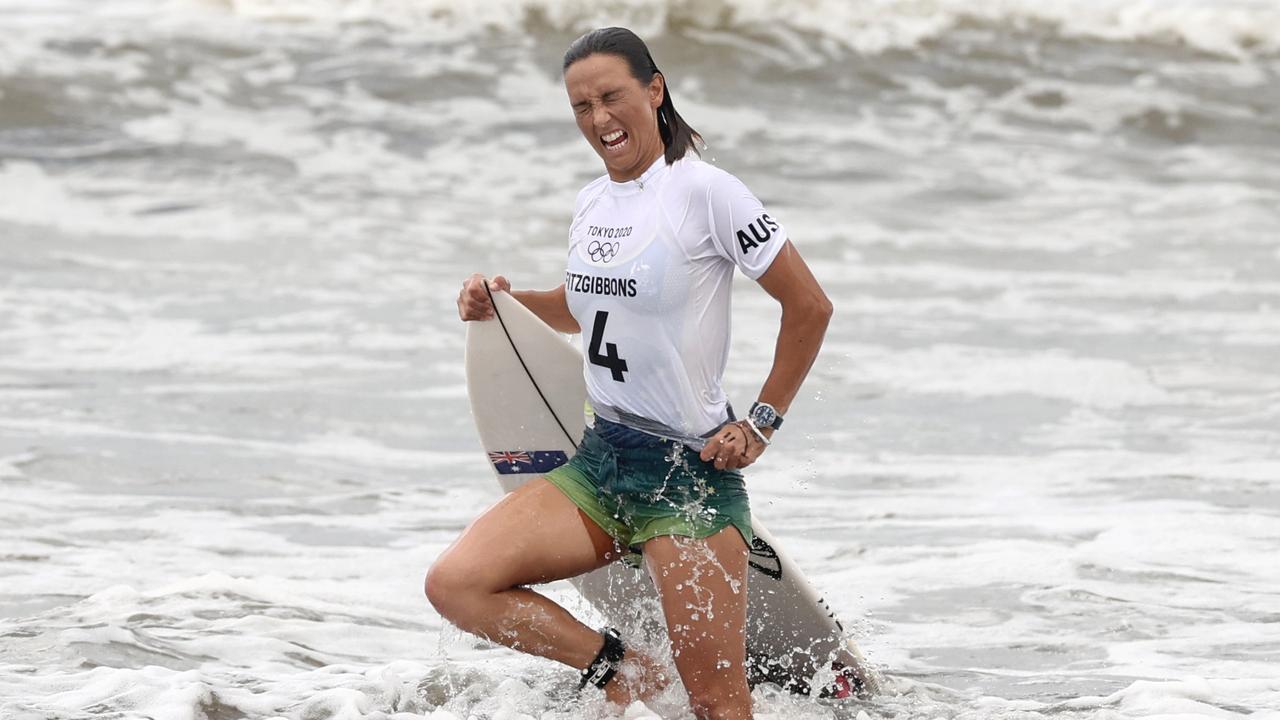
763, 416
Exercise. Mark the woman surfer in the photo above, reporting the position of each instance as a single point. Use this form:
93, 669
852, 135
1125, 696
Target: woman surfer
652, 251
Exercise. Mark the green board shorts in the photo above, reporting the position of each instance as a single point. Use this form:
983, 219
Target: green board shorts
663, 488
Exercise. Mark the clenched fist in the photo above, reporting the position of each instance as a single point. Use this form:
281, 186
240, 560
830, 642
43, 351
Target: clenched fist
473, 301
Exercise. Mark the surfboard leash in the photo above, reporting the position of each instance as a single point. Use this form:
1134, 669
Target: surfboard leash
519, 357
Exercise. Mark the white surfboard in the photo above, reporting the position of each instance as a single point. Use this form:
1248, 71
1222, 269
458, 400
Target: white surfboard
528, 398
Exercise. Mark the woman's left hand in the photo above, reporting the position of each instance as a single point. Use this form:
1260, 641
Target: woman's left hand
733, 446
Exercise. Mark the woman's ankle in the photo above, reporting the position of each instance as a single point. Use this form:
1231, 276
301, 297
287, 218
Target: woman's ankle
640, 677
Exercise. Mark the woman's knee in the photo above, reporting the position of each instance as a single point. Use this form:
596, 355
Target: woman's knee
451, 588
717, 690
727, 701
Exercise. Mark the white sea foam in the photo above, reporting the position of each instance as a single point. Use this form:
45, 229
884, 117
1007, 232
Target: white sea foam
1230, 28
1236, 28
1091, 382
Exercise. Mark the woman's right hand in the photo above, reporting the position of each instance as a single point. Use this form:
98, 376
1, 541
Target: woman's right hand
473, 301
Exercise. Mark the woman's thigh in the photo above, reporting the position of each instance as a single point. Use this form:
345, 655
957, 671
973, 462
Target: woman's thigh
534, 534
703, 585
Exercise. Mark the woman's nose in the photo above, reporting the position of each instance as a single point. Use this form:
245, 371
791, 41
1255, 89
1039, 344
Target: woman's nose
600, 116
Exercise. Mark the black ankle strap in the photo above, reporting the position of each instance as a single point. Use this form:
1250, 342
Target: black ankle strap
608, 660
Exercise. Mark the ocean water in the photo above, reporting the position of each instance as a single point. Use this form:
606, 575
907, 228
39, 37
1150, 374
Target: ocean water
1036, 468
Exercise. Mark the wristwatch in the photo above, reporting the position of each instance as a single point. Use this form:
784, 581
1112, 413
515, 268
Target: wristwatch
764, 415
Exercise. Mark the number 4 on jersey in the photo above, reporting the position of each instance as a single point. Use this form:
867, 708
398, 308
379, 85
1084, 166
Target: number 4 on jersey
610, 360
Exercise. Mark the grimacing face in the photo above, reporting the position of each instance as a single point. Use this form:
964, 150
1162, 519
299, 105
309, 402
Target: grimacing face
616, 113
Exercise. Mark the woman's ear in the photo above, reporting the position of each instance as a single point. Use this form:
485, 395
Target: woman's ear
657, 90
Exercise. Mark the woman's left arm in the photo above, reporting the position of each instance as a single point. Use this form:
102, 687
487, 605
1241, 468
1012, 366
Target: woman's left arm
806, 312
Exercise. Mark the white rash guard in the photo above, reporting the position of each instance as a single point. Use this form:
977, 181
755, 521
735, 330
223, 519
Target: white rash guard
649, 277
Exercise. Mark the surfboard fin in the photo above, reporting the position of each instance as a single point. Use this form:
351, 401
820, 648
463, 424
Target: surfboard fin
847, 684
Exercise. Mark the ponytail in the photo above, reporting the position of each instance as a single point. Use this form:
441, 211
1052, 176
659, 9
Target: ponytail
677, 137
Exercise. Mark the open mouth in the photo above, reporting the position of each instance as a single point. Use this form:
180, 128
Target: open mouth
614, 140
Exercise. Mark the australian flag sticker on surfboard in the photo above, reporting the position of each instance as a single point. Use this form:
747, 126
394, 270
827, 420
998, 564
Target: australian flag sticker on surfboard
517, 462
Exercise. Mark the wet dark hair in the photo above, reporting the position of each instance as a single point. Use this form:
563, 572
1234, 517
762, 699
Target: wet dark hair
677, 136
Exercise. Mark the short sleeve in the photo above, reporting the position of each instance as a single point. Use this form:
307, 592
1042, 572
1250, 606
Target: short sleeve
741, 230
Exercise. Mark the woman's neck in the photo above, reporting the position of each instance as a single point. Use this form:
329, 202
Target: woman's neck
636, 171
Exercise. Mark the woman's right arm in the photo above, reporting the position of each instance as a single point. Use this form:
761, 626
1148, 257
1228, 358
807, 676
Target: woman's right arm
549, 305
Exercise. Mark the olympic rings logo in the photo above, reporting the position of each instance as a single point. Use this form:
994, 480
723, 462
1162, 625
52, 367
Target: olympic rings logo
603, 252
